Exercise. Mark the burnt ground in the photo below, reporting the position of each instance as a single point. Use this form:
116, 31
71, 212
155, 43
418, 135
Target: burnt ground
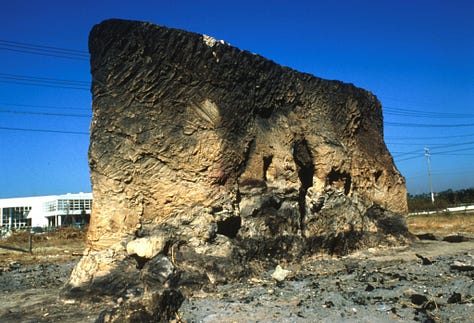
377, 285
389, 285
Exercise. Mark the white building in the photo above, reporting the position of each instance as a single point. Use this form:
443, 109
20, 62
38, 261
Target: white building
45, 211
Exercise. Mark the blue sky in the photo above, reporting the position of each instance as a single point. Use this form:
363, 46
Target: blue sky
417, 57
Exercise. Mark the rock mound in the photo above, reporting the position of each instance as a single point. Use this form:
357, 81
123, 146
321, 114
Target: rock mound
212, 156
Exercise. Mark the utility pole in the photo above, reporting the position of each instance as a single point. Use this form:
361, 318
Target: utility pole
427, 154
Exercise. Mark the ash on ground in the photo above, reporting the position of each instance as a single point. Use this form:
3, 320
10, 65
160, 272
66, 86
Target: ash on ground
375, 286
429, 281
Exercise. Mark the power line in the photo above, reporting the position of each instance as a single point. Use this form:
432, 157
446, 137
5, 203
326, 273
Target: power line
437, 146
396, 154
425, 114
431, 138
44, 130
397, 99
43, 81
404, 143
47, 114
408, 158
419, 144
452, 145
448, 154
453, 151
57, 49
55, 107
44, 54
45, 85
42, 50
425, 125
418, 153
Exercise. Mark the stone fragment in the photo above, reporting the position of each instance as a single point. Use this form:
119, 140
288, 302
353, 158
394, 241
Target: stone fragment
156, 272
146, 247
105, 272
418, 299
423, 302
369, 288
383, 308
463, 265
454, 298
280, 274
425, 261
427, 236
454, 238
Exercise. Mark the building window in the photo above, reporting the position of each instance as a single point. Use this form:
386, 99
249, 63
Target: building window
16, 217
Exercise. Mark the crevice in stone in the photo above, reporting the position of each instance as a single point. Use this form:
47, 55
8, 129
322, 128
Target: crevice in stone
265, 112
267, 160
248, 151
229, 227
141, 261
252, 182
340, 180
168, 245
318, 206
377, 176
305, 167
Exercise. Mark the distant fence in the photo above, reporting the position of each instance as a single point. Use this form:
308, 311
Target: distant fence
463, 208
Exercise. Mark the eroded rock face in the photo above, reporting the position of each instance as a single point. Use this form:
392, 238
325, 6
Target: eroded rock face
212, 156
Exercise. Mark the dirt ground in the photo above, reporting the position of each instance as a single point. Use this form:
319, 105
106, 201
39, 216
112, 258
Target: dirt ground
428, 281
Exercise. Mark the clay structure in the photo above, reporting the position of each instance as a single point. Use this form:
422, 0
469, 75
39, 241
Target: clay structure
204, 156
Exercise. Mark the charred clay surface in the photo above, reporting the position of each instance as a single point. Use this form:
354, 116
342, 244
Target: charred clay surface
204, 157
376, 285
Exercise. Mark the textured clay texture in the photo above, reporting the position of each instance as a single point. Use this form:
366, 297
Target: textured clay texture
201, 152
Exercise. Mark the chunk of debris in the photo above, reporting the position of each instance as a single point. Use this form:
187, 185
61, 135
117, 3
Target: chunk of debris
425, 261
280, 274
455, 298
427, 236
454, 238
462, 265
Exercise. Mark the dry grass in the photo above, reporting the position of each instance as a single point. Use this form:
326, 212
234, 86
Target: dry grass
62, 245
442, 224
69, 243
